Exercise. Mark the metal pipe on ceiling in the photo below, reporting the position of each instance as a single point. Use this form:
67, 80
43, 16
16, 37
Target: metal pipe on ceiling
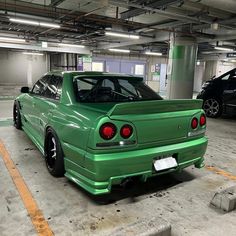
55, 13
22, 15
172, 15
161, 4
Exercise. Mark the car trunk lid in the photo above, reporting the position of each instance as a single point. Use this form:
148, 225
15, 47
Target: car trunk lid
158, 121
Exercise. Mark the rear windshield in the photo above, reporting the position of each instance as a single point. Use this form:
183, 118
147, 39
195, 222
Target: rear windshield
113, 89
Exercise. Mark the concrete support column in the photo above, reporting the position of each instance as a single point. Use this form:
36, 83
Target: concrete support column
64, 61
210, 70
182, 60
29, 72
48, 62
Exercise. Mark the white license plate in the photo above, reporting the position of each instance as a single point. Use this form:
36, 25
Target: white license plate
165, 163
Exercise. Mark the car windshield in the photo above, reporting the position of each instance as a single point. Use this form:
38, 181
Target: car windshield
113, 89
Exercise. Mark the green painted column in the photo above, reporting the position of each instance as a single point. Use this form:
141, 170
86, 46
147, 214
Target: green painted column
181, 66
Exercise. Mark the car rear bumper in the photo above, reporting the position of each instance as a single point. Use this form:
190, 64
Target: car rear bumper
101, 171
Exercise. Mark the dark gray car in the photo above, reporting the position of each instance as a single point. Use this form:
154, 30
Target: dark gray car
219, 95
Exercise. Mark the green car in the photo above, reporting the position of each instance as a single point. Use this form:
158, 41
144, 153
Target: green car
102, 129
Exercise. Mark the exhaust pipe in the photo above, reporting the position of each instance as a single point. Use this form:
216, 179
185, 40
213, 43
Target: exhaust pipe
127, 182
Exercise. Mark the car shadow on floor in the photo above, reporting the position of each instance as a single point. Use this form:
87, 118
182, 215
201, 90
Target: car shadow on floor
228, 117
135, 190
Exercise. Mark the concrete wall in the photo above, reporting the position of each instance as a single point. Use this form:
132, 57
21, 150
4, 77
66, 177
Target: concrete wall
152, 61
18, 69
58, 61
224, 67
63, 61
120, 58
198, 76
149, 61
210, 69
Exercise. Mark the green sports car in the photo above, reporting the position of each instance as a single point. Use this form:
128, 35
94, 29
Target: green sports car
100, 129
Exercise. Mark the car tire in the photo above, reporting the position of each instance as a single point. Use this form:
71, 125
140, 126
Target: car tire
212, 107
16, 115
54, 157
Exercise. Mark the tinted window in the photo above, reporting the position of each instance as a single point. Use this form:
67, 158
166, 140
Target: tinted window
128, 88
40, 86
231, 85
233, 75
113, 89
54, 85
59, 87
49, 86
226, 77
229, 75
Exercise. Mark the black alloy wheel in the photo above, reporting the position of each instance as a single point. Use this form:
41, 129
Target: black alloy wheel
212, 107
16, 116
54, 157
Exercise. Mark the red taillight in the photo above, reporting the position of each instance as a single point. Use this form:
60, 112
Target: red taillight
107, 131
126, 131
194, 123
202, 120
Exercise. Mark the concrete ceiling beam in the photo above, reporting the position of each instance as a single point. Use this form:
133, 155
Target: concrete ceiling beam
218, 38
159, 37
173, 14
155, 4
55, 3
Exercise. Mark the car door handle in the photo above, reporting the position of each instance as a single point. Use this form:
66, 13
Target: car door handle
34, 104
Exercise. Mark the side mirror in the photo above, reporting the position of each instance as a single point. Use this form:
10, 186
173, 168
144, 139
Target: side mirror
24, 90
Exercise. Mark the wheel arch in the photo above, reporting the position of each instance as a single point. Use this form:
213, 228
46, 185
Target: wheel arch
59, 168
17, 103
45, 137
17, 109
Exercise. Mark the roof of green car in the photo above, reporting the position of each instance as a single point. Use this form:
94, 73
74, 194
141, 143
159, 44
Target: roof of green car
89, 73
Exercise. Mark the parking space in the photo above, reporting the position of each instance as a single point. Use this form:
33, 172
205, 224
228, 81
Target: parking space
182, 200
117, 118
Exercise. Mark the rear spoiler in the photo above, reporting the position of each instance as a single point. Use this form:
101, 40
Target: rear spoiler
155, 106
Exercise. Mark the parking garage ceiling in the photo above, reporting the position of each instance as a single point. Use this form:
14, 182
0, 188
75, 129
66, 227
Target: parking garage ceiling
211, 22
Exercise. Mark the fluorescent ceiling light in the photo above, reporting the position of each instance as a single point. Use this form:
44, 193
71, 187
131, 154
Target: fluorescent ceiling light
148, 30
122, 35
36, 23
33, 53
28, 22
207, 52
227, 63
223, 49
44, 44
49, 25
214, 26
70, 45
153, 53
119, 50
11, 39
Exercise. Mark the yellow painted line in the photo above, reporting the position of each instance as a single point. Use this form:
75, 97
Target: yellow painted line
36, 215
221, 172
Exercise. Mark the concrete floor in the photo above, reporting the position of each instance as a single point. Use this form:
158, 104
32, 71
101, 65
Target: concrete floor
181, 199
6, 108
